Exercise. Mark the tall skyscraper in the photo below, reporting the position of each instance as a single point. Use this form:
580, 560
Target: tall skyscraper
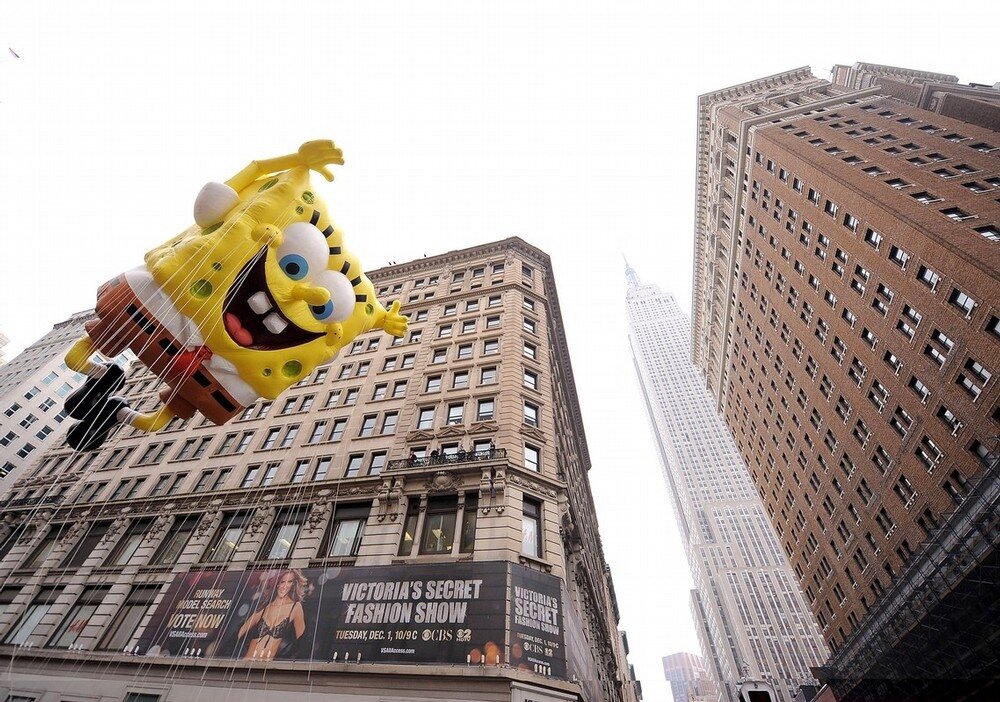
750, 616
689, 681
411, 522
847, 319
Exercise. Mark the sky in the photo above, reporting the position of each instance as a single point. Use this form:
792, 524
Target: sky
571, 125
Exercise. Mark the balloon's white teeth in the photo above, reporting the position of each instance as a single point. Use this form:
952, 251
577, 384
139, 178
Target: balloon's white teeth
259, 302
274, 323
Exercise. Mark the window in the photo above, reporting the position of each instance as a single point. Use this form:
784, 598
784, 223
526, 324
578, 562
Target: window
922, 391
426, 418
464, 352
528, 325
531, 528
399, 389
250, 477
468, 326
493, 301
126, 622
33, 615
530, 379
455, 413
469, 513
354, 462
389, 423
322, 467
439, 525
491, 346
493, 322
269, 473
377, 463
898, 256
949, 419
290, 435
176, 539
873, 238
532, 457
460, 379
957, 214
388, 365
530, 351
484, 410
530, 414
368, 425
301, 468
488, 375
129, 543
989, 231
962, 301
281, 538
78, 617
346, 531
851, 222
433, 384
337, 433
319, 429
270, 438
81, 551
444, 331
227, 538
449, 310
974, 378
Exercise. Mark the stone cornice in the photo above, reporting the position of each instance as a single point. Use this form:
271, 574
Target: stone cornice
402, 270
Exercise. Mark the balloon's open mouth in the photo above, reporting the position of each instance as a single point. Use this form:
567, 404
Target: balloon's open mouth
252, 317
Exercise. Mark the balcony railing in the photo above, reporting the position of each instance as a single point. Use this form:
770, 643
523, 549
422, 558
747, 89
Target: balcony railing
448, 458
32, 501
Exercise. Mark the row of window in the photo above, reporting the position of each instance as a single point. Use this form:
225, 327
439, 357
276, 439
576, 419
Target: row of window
990, 230
459, 276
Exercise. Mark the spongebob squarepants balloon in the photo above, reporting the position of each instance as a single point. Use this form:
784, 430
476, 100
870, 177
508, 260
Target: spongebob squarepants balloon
242, 305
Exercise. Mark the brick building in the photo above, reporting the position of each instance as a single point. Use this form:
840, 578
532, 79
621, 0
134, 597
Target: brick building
458, 451
847, 320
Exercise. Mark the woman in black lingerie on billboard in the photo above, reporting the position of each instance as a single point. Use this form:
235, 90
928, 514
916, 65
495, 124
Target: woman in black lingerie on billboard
280, 621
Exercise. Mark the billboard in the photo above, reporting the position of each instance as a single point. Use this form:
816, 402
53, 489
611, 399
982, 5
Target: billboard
536, 622
483, 613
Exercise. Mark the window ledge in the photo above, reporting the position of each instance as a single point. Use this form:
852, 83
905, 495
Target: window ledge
536, 563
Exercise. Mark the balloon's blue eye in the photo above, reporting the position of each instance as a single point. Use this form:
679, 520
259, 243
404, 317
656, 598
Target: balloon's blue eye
322, 311
294, 266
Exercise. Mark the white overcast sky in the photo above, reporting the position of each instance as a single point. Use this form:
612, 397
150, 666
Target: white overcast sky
570, 124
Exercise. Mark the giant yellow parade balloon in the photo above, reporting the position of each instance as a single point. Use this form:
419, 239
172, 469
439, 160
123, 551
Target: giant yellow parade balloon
242, 305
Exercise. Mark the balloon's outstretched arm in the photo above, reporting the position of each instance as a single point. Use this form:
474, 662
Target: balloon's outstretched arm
390, 320
78, 356
315, 155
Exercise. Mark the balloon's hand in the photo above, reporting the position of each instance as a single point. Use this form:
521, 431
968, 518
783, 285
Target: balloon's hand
317, 154
394, 323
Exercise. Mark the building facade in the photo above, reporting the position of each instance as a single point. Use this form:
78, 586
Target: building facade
847, 321
689, 681
33, 386
750, 616
436, 479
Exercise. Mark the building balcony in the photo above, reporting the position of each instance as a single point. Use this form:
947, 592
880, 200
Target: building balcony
32, 501
448, 458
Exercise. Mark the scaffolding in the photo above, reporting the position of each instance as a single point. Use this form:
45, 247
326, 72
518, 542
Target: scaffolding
934, 635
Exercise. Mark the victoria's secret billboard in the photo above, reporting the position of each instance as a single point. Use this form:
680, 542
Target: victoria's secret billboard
448, 613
